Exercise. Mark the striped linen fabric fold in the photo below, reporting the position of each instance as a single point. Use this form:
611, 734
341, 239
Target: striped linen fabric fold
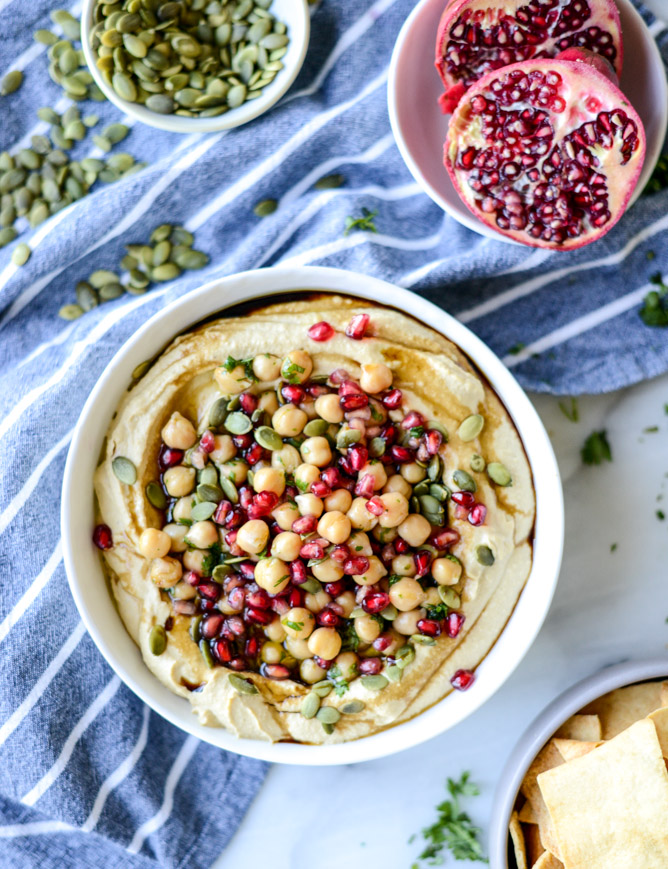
88, 776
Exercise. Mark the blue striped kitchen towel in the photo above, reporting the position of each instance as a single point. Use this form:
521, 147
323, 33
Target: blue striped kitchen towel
79, 754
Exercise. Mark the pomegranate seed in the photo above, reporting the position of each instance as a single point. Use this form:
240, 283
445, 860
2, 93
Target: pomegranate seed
401, 454
234, 626
259, 617
358, 456
206, 605
291, 492
462, 680
255, 512
280, 605
242, 441
382, 643
365, 487
254, 454
445, 538
340, 553
392, 400
102, 537
246, 495
321, 331
327, 618
323, 663
192, 578
312, 550
305, 525
401, 546
357, 326
246, 569
433, 440
231, 581
266, 501
237, 663
185, 607
209, 590
334, 589
292, 393
389, 433
346, 467
231, 538
413, 419
259, 599
356, 566
316, 389
222, 510
331, 477
207, 442
236, 599
251, 647
248, 402
370, 666
339, 375
376, 602
429, 627
297, 572
169, 457
478, 514
375, 506
453, 623
222, 651
350, 387
296, 597
353, 402
463, 499
211, 625
320, 488
387, 553
422, 561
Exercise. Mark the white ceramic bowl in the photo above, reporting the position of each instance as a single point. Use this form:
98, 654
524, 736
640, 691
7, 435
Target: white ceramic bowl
294, 13
539, 733
82, 560
420, 129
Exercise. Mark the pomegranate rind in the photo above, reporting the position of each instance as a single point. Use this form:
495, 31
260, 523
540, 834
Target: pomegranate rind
604, 15
588, 95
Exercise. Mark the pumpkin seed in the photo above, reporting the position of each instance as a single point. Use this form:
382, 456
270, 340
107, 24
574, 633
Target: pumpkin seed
166, 272
204, 510
7, 235
312, 586
377, 448
86, 296
124, 87
328, 728
328, 715
209, 493
449, 597
11, 82
111, 291
161, 252
393, 673
218, 412
440, 492
124, 470
389, 613
45, 37
229, 490
155, 495
316, 428
160, 233
347, 437
69, 312
194, 628
101, 277
221, 571
477, 463
310, 705
191, 259
374, 683
471, 427
330, 182
485, 555
238, 423
208, 475
205, 651
404, 656
268, 438
242, 685
352, 707
157, 640
423, 640
429, 504
265, 208
160, 103
322, 689
21, 254
499, 474
465, 481
116, 133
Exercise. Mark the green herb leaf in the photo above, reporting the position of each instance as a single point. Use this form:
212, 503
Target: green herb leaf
516, 349
571, 413
437, 612
596, 449
613, 547
416, 432
335, 676
294, 626
660, 515
350, 640
654, 311
364, 223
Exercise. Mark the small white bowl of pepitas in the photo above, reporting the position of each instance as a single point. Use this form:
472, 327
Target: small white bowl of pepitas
329, 530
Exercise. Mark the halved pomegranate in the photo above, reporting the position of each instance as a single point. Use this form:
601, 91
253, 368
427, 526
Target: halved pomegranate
546, 152
479, 36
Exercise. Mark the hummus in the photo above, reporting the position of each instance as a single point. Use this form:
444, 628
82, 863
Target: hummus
446, 593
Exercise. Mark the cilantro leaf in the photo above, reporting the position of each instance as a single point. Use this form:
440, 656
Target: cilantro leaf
438, 612
654, 311
516, 349
572, 413
294, 626
340, 684
350, 640
364, 223
596, 449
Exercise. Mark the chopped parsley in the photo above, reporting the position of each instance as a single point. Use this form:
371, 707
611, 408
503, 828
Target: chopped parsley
660, 515
291, 372
294, 626
651, 429
350, 640
340, 684
654, 311
571, 412
613, 547
596, 449
438, 612
211, 559
665, 409
394, 578
247, 364
454, 829
516, 349
279, 581
376, 415
416, 432
365, 223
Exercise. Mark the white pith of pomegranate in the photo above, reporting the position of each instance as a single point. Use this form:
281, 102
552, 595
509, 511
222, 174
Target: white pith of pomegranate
546, 152
479, 36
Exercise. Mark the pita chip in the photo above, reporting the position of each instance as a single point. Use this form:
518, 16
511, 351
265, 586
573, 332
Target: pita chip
583, 727
519, 846
621, 708
660, 719
547, 861
569, 749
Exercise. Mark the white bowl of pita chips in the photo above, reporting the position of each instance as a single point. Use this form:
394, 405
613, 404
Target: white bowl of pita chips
587, 785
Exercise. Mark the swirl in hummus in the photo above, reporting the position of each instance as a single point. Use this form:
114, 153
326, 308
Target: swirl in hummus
316, 519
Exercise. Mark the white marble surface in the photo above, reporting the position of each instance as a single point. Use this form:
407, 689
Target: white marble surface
608, 606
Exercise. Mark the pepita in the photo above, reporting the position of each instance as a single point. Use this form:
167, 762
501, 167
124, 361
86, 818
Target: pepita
449, 597
209, 493
11, 82
218, 412
310, 705
328, 715
229, 490
242, 685
265, 207
124, 470
157, 640
21, 254
393, 673
471, 427
404, 656
322, 689
316, 428
70, 312
477, 463
352, 707
465, 481
155, 495
423, 640
268, 438
499, 474
205, 651
330, 182
374, 683
485, 555
238, 423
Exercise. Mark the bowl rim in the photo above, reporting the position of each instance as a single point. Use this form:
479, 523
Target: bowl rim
77, 499
464, 216
248, 111
547, 722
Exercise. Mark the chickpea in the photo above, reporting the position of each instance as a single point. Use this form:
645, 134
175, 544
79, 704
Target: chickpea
266, 367
335, 527
376, 470
360, 517
286, 459
311, 672
432, 597
396, 641
403, 565
275, 631
346, 600
406, 622
202, 535
374, 572
415, 529
297, 366
184, 591
231, 382
289, 421
235, 470
328, 407
223, 449
286, 545
272, 574
385, 535
396, 509
325, 643
196, 458
195, 559
367, 628
179, 480
268, 402
309, 505
340, 500
407, 594
359, 544
154, 543
347, 664
252, 536
446, 571
285, 514
396, 483
328, 570
298, 648
271, 653
177, 535
165, 572
269, 480
178, 432
318, 601
183, 509
413, 473
304, 475
375, 377
316, 451
298, 623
